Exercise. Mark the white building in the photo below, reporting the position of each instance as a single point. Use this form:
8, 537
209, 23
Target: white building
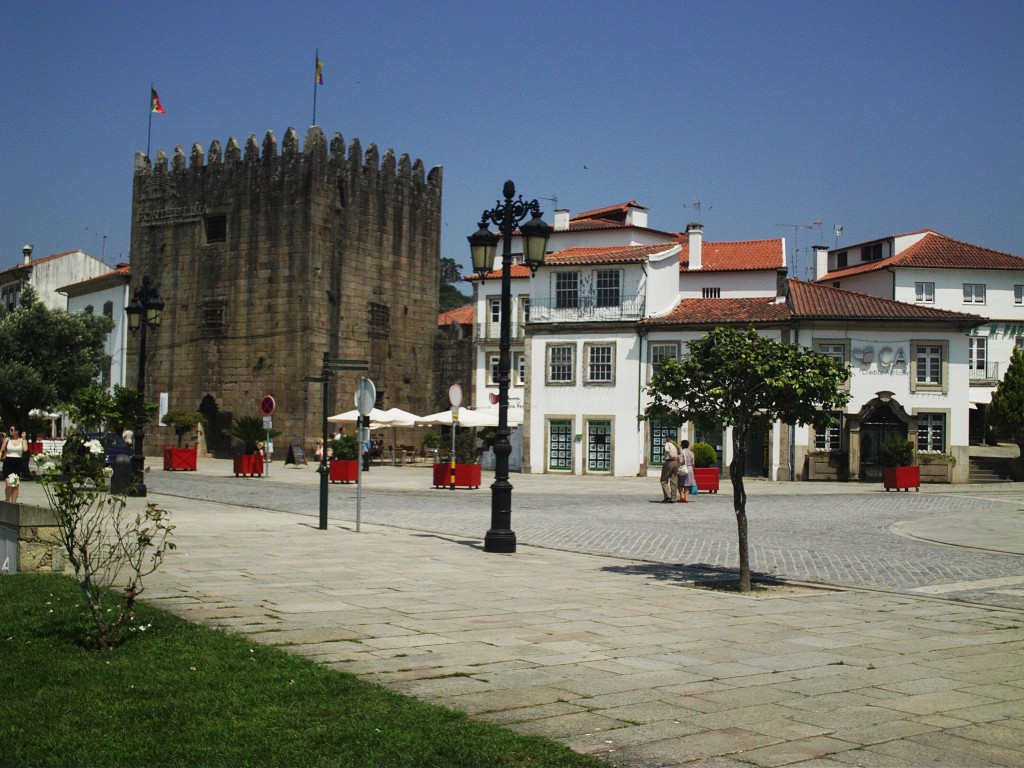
105, 294
929, 269
47, 275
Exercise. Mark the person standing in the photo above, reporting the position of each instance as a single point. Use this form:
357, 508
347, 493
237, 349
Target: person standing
669, 470
685, 471
14, 450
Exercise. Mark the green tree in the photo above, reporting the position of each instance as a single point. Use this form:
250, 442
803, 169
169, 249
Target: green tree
89, 407
742, 380
125, 406
47, 355
182, 421
450, 297
1006, 411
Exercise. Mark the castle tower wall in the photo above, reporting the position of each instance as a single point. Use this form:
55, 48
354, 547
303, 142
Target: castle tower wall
266, 260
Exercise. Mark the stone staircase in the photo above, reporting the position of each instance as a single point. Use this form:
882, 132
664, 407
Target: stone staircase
988, 469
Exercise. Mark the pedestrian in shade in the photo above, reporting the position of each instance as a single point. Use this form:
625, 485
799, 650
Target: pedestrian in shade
669, 470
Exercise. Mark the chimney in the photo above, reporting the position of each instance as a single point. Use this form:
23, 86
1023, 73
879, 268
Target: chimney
695, 236
820, 261
562, 220
26, 249
636, 216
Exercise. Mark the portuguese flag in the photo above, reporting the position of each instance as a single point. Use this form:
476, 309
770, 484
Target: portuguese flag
154, 102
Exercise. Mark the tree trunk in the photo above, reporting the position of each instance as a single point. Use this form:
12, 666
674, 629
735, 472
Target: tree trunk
739, 503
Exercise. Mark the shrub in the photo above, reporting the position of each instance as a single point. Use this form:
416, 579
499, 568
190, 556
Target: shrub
704, 455
249, 430
345, 448
896, 452
183, 422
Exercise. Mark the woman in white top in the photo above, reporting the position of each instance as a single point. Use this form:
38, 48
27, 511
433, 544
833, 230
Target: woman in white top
14, 449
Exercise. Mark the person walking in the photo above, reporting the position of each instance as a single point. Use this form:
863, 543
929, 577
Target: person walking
13, 451
669, 470
685, 471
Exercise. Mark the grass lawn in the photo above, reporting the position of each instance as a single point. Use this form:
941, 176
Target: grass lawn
178, 694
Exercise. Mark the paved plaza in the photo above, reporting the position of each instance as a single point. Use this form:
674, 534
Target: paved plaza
897, 640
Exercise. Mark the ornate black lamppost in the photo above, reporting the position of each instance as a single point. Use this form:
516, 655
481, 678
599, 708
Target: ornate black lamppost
484, 245
144, 312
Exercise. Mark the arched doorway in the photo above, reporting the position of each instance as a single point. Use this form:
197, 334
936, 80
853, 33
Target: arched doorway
880, 419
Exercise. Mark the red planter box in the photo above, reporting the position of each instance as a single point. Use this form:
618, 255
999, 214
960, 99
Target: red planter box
901, 478
343, 470
249, 465
180, 459
466, 475
706, 479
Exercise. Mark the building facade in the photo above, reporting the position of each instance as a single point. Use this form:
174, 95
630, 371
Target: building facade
269, 260
47, 276
929, 269
106, 294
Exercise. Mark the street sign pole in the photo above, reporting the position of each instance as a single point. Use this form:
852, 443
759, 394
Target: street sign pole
455, 398
366, 397
330, 367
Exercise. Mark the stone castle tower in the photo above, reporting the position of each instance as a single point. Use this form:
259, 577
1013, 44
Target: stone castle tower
267, 260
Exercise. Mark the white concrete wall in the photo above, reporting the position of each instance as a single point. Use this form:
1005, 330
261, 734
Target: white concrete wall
733, 285
49, 275
117, 341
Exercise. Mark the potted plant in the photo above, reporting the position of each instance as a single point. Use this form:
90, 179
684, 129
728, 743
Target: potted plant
823, 464
249, 431
178, 458
343, 466
467, 464
896, 455
936, 467
706, 474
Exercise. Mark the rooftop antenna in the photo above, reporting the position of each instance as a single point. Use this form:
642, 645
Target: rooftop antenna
816, 224
553, 199
839, 231
103, 244
696, 207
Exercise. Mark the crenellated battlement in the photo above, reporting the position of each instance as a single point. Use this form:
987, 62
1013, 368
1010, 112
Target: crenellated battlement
316, 151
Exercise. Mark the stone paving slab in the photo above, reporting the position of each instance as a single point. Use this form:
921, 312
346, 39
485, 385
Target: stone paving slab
609, 659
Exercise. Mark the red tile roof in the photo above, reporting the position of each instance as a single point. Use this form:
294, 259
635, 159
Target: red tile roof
724, 312
460, 316
613, 254
816, 301
744, 255
935, 251
610, 213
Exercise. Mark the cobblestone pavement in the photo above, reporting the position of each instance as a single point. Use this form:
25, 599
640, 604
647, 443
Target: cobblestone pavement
843, 534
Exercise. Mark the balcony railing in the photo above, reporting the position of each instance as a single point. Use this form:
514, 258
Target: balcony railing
989, 372
492, 331
585, 309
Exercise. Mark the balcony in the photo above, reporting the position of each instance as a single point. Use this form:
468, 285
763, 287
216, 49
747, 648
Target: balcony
492, 331
585, 309
983, 372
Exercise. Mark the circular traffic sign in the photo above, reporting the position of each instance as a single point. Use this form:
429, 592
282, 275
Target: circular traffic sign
455, 395
267, 405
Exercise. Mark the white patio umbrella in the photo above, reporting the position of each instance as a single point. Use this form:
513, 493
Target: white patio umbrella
376, 415
396, 417
467, 418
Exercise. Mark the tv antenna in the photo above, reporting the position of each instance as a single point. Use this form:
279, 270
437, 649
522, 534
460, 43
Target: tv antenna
696, 205
553, 199
838, 230
103, 245
816, 224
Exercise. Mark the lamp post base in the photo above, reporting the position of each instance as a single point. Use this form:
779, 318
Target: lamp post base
502, 542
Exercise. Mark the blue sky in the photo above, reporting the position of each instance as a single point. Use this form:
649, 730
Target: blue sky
882, 117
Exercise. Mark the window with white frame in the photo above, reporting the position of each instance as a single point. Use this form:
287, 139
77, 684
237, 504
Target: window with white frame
661, 350
609, 288
924, 293
830, 438
1018, 294
977, 356
561, 364
524, 309
928, 359
974, 293
519, 366
600, 363
931, 432
560, 444
567, 290
493, 361
711, 293
834, 349
494, 312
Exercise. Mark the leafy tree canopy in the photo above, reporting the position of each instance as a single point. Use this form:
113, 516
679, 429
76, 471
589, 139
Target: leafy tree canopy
89, 407
450, 297
125, 405
1006, 412
740, 379
47, 355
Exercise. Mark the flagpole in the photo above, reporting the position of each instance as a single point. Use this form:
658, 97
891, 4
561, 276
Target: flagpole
315, 62
149, 133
